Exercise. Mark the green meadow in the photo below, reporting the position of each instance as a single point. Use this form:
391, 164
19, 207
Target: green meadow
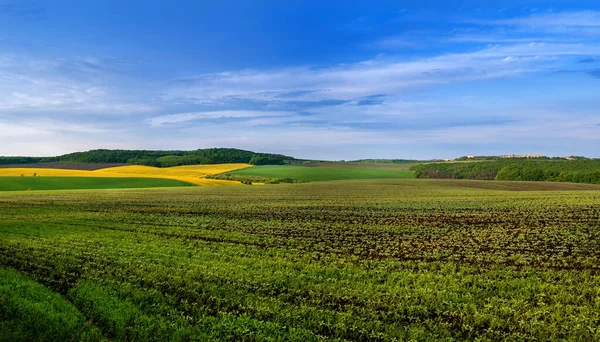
312, 174
72, 183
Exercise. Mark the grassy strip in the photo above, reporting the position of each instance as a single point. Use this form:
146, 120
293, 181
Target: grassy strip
244, 179
73, 183
31, 312
313, 174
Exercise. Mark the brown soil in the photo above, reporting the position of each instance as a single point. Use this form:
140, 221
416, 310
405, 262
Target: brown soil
64, 166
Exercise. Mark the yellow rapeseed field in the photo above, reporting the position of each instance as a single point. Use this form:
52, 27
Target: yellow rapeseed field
194, 174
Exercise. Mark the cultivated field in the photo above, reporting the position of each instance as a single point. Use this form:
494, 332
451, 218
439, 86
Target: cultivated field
311, 174
194, 174
71, 183
31, 312
373, 165
367, 260
62, 165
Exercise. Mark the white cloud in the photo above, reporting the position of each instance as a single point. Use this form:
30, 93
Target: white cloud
581, 23
9, 130
503, 38
72, 91
185, 117
380, 76
82, 86
44, 126
537, 129
550, 19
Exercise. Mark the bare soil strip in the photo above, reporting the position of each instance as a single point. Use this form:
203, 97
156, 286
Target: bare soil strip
63, 166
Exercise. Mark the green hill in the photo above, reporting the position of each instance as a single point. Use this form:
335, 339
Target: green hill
158, 158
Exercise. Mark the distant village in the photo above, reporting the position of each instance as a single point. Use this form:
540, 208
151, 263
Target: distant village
512, 156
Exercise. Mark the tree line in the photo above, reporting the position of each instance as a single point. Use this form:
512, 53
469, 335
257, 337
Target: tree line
158, 158
576, 171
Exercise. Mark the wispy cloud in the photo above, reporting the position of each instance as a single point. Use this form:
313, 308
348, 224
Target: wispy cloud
580, 23
179, 118
49, 127
550, 19
391, 99
550, 27
375, 77
10, 130
69, 85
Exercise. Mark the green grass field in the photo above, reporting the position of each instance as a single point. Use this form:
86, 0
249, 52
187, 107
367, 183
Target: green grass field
366, 260
31, 312
72, 183
321, 173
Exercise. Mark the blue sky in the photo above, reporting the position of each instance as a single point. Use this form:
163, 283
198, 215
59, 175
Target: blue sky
312, 79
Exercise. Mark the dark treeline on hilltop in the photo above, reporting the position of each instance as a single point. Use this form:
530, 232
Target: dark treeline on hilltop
159, 158
539, 169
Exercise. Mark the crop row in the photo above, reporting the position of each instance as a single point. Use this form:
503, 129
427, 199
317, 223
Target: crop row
385, 260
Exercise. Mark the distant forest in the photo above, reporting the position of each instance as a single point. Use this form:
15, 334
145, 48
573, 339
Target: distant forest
159, 158
554, 170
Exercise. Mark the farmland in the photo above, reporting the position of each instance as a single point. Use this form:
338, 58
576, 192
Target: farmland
90, 176
380, 260
60, 165
31, 311
312, 174
70, 183
194, 174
